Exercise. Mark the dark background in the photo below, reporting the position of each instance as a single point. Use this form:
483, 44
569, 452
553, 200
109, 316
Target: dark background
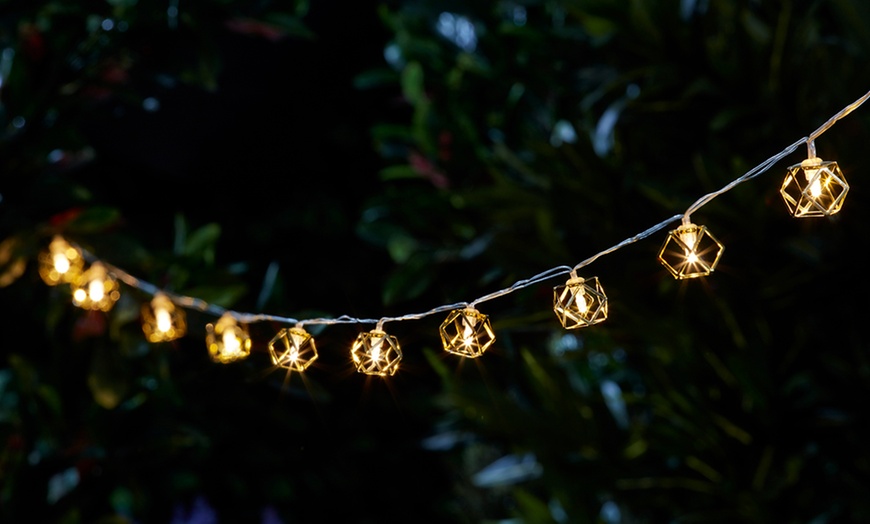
386, 169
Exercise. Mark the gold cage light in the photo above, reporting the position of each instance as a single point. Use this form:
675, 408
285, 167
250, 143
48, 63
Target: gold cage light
466, 332
376, 353
293, 349
580, 302
95, 289
690, 251
60, 263
814, 188
227, 340
162, 321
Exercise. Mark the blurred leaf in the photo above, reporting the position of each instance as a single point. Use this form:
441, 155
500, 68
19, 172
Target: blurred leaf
375, 78
203, 241
507, 471
398, 173
107, 379
409, 280
94, 220
412, 83
290, 25
401, 248
12, 261
224, 296
531, 508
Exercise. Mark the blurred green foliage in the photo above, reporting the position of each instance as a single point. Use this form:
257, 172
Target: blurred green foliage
510, 137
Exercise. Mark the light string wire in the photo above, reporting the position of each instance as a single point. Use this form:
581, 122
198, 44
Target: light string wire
249, 318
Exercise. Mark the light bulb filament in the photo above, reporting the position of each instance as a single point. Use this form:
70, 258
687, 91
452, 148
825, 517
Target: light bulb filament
815, 180
689, 238
468, 335
582, 304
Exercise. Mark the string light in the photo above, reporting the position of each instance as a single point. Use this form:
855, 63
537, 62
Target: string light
466, 332
95, 289
162, 321
293, 349
580, 302
376, 353
690, 251
227, 340
60, 263
815, 188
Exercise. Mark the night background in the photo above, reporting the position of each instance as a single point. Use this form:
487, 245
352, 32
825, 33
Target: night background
317, 159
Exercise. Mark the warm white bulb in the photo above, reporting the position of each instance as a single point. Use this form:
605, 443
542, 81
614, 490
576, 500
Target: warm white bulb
80, 295
96, 290
689, 238
376, 348
580, 301
816, 185
468, 332
163, 320
816, 189
231, 342
61, 263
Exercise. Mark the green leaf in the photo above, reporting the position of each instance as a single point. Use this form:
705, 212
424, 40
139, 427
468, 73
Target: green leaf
223, 296
398, 172
531, 508
94, 220
375, 78
410, 280
203, 242
107, 378
438, 365
290, 25
412, 83
401, 248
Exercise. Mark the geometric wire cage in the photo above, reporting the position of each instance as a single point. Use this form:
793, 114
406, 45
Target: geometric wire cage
293, 349
61, 263
580, 303
227, 340
466, 332
161, 320
95, 289
690, 251
376, 353
814, 188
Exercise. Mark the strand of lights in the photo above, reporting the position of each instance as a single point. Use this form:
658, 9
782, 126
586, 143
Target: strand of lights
813, 188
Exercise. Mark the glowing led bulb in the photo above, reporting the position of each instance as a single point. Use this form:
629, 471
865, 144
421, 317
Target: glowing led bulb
227, 340
162, 321
690, 238
814, 188
61, 263
690, 251
376, 353
293, 349
580, 302
232, 345
466, 332
95, 289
